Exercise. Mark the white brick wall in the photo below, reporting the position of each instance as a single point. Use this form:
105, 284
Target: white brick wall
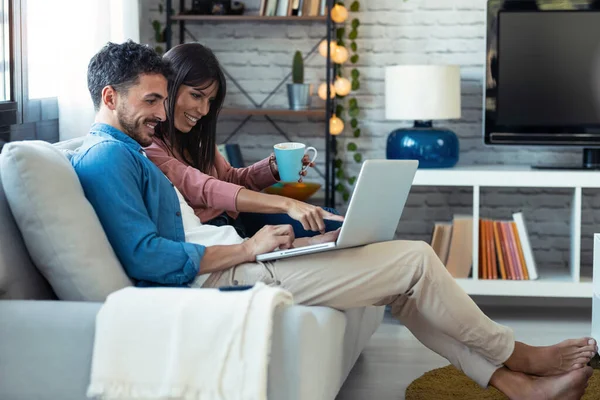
393, 31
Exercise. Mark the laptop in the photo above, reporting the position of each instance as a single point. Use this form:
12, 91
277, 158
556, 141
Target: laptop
374, 211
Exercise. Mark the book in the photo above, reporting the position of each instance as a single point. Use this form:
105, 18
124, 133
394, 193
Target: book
499, 252
296, 6
263, 8
283, 8
440, 241
460, 255
483, 251
521, 258
493, 264
323, 8
271, 8
310, 8
526, 246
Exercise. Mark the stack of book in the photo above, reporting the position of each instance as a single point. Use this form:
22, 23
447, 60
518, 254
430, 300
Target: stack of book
286, 8
504, 248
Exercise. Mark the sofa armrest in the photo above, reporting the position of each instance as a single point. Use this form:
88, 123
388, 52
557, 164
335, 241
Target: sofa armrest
46, 349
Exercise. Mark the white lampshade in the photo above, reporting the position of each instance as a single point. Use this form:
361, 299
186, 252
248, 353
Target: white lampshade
422, 92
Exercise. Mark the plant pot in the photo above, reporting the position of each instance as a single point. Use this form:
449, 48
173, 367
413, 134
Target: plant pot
299, 95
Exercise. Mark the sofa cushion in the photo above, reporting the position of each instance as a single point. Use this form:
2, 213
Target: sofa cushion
59, 226
19, 278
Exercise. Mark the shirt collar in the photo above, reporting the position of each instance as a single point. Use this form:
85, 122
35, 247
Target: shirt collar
106, 130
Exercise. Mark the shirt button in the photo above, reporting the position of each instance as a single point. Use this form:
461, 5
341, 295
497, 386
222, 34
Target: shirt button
178, 214
278, 283
235, 283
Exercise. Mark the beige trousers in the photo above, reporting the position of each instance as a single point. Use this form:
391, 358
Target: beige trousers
406, 275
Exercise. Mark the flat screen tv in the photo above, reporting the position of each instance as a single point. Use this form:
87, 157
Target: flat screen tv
542, 80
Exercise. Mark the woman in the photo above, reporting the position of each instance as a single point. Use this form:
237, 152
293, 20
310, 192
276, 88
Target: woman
184, 149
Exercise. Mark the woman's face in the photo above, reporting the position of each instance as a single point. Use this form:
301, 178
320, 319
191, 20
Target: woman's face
192, 104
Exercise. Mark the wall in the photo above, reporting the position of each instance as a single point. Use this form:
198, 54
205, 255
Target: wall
393, 32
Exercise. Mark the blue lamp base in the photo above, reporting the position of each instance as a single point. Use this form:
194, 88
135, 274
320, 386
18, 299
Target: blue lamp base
433, 148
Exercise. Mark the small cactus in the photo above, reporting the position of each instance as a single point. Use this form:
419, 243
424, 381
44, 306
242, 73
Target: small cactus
298, 69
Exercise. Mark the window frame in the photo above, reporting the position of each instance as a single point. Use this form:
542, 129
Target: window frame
9, 109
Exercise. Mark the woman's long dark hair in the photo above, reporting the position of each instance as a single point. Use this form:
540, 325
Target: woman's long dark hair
193, 65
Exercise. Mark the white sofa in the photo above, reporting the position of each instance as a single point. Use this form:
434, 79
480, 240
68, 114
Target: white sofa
46, 344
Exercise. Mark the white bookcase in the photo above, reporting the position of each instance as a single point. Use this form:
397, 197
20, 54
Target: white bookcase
567, 285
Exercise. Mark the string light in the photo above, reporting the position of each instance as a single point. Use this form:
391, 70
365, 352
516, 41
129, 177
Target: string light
323, 91
340, 55
336, 125
323, 48
339, 14
342, 86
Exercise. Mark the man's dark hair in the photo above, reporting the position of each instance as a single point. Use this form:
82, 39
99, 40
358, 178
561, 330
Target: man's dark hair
120, 66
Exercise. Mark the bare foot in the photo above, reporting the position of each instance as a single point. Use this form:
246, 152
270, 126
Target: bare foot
518, 386
563, 357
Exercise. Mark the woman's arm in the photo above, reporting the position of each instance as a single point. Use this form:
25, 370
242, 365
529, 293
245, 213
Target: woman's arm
199, 189
311, 217
256, 177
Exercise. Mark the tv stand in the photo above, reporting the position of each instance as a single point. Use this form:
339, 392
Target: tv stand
591, 161
570, 282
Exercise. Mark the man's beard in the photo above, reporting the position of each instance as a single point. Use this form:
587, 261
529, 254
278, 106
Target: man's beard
133, 128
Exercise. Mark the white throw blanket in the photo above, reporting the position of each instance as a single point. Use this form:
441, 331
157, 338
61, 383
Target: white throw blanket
168, 343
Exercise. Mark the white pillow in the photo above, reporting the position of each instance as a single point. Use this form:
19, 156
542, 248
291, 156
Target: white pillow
60, 227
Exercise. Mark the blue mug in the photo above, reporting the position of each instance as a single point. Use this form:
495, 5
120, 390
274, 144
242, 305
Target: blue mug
289, 160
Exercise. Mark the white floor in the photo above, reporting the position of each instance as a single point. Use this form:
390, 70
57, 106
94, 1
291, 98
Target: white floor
394, 358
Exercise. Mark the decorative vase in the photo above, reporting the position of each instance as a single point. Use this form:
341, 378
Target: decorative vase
434, 148
299, 96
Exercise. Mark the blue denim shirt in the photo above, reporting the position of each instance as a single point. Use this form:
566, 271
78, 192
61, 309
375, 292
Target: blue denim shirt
138, 208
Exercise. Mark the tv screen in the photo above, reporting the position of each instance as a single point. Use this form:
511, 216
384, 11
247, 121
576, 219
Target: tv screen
549, 69
543, 76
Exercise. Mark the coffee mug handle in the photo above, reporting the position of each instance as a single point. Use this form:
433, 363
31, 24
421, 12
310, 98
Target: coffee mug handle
304, 167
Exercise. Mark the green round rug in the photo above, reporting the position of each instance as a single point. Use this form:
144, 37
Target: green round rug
448, 383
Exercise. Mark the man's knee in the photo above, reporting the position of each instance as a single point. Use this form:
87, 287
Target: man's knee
422, 249
427, 257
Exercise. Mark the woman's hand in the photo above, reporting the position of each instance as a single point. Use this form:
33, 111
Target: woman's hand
305, 164
311, 217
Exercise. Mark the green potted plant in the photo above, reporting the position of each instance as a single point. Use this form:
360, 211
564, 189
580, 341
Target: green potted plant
299, 93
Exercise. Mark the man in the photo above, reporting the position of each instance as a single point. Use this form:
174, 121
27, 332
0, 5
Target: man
141, 214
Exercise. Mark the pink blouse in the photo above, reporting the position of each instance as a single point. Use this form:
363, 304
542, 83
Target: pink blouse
210, 195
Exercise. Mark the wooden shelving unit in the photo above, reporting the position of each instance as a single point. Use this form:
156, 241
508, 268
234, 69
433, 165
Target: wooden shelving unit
181, 18
244, 18
274, 112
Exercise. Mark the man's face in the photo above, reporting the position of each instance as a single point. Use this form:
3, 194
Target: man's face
142, 107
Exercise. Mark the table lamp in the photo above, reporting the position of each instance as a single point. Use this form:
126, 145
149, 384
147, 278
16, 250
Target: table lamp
423, 93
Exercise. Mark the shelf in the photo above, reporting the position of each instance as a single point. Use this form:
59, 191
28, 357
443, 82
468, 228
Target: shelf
506, 176
548, 285
245, 18
281, 112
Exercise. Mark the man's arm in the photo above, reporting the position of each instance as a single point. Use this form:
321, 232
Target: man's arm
219, 258
112, 180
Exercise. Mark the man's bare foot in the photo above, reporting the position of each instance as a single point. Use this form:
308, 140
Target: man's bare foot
563, 357
519, 386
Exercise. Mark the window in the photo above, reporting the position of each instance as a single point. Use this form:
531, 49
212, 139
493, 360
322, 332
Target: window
42, 43
8, 106
5, 86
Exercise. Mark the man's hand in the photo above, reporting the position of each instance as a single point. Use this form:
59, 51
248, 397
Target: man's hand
311, 217
269, 238
324, 238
